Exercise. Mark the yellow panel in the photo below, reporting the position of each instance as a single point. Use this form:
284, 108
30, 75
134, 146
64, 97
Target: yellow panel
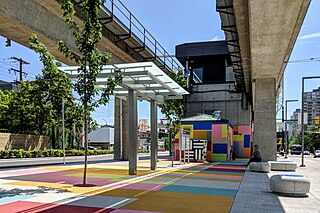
187, 127
200, 134
224, 130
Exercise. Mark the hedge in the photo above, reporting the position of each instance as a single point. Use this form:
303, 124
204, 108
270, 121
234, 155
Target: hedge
52, 153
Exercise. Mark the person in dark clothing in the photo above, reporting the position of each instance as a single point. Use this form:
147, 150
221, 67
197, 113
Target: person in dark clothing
256, 155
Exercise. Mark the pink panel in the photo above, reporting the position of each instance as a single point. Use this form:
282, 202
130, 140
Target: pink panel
216, 131
244, 130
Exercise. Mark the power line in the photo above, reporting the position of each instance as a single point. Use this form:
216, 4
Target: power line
313, 59
21, 61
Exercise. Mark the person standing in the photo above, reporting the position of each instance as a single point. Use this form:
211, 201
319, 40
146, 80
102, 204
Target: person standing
256, 155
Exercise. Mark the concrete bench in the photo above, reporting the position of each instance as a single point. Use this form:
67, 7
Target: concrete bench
290, 184
260, 166
283, 165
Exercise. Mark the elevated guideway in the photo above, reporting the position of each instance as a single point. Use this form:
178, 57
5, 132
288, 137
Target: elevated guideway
123, 34
260, 36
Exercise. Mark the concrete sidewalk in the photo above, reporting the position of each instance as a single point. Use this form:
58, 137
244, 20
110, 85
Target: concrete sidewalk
69, 160
254, 194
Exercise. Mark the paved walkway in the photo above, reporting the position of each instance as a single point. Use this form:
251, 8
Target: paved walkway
208, 187
254, 194
193, 188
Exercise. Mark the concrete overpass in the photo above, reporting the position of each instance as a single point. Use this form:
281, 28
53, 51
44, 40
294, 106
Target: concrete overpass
123, 35
260, 36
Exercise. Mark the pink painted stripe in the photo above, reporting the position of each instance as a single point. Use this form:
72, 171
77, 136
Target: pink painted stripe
26, 206
129, 211
25, 172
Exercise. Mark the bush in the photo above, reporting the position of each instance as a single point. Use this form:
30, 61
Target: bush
45, 153
28, 154
19, 153
50, 153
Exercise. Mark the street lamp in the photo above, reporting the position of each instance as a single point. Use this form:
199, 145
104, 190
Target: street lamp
285, 129
302, 116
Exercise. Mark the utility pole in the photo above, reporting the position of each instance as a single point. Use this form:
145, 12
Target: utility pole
21, 61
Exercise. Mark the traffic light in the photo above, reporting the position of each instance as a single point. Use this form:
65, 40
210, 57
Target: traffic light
8, 43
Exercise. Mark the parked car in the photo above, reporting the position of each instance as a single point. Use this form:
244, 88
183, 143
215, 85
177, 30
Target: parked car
316, 154
89, 148
306, 152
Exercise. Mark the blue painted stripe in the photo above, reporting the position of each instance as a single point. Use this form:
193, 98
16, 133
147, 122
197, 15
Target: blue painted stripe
200, 190
9, 198
246, 141
220, 148
202, 126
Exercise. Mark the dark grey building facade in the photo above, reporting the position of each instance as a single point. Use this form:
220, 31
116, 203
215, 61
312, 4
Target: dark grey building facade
212, 82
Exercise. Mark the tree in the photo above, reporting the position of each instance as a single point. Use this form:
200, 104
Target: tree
53, 86
311, 139
88, 57
5, 102
173, 109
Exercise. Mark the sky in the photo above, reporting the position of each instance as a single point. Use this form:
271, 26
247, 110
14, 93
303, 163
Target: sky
182, 21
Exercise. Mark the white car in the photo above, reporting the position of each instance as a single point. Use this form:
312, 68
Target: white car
317, 153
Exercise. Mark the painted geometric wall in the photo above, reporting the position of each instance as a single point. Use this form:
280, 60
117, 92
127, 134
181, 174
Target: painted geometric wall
221, 141
217, 134
242, 141
220, 136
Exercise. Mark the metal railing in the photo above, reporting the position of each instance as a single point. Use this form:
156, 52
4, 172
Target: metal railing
118, 12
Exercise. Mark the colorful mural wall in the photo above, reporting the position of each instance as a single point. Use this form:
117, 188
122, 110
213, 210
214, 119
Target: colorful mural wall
221, 137
242, 141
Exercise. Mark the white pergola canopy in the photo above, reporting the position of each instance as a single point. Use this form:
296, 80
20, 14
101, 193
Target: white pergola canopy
145, 78
140, 80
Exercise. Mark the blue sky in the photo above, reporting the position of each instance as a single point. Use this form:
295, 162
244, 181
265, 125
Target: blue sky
181, 21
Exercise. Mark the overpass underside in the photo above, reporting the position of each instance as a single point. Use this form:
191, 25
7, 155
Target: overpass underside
260, 37
123, 36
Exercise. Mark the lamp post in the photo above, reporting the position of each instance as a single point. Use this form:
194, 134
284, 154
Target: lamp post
285, 129
63, 134
302, 120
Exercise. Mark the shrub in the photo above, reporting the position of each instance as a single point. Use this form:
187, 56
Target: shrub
19, 153
45, 153
28, 154
49, 153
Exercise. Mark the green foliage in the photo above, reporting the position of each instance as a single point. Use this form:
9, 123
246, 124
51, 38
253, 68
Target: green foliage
49, 153
173, 109
88, 57
311, 139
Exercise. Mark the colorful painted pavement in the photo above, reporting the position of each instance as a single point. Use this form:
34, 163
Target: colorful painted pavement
182, 188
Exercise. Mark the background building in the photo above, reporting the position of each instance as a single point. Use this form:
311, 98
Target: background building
294, 126
8, 86
212, 84
312, 104
102, 137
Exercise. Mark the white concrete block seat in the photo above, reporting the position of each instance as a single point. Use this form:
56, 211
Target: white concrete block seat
260, 166
290, 184
284, 165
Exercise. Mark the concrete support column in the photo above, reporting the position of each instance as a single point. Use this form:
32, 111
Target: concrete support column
154, 134
264, 104
121, 136
133, 135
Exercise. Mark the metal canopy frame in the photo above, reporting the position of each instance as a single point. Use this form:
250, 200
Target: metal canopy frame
145, 78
